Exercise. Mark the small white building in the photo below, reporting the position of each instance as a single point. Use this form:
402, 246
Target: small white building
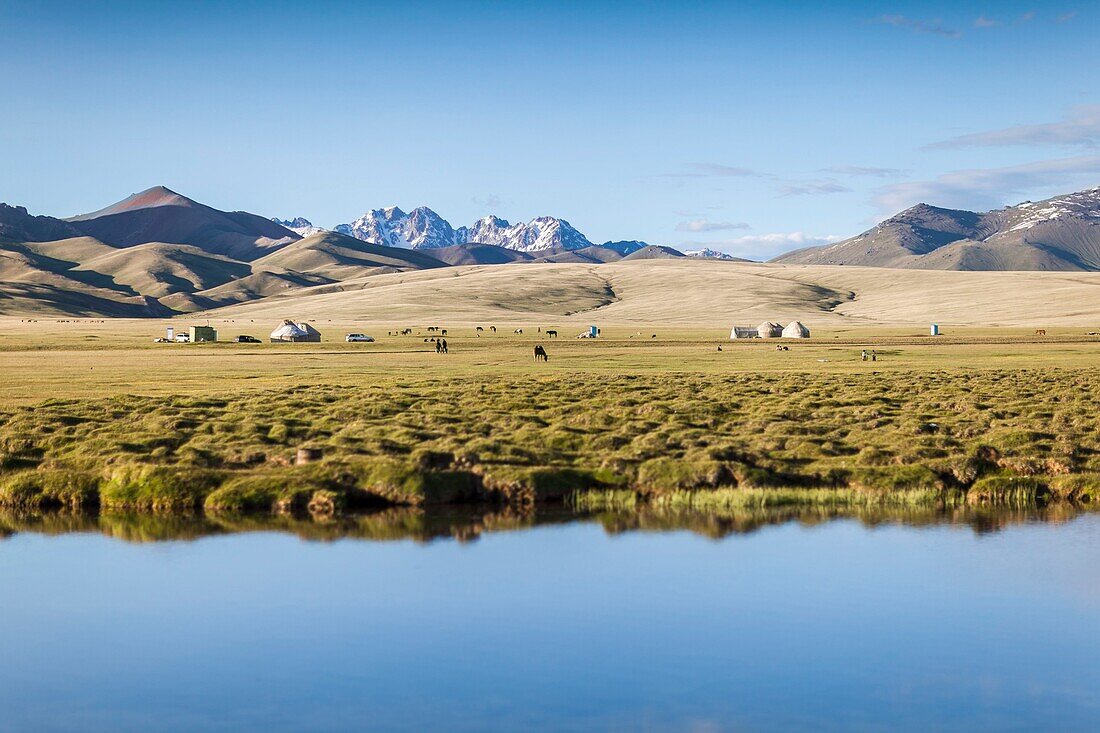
796, 330
744, 332
289, 331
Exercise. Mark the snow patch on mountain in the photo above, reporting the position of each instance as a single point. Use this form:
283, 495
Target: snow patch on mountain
299, 225
422, 228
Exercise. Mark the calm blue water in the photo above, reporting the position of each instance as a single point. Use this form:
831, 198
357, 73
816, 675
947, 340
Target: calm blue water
557, 628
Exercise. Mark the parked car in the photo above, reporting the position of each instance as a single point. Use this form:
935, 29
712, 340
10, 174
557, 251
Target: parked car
358, 338
242, 339
183, 338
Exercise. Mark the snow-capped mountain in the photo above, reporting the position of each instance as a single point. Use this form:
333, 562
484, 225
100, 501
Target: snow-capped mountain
299, 225
422, 228
709, 254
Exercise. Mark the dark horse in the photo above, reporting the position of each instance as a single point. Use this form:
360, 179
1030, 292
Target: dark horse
551, 333
540, 354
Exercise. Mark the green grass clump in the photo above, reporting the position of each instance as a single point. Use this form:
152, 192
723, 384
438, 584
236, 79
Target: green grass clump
158, 488
1083, 487
1008, 490
895, 478
44, 488
664, 474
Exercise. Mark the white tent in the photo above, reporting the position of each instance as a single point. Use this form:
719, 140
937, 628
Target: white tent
290, 331
743, 332
769, 330
795, 330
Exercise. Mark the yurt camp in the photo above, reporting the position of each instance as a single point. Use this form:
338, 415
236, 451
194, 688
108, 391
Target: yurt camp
769, 330
796, 330
291, 332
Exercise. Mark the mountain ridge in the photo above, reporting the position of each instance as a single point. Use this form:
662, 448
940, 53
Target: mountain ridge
1059, 233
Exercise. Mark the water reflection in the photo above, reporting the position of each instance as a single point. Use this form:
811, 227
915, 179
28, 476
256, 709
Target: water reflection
465, 524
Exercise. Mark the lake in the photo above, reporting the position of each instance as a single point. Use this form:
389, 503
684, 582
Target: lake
976, 621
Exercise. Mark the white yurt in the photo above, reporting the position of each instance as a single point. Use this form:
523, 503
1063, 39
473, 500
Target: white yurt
796, 330
289, 331
743, 332
769, 330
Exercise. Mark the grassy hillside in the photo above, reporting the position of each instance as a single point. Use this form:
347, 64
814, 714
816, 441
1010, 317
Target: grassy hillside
700, 292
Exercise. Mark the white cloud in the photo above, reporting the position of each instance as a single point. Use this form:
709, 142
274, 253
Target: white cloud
988, 188
1067, 16
983, 22
1081, 128
859, 170
812, 188
934, 27
764, 246
706, 225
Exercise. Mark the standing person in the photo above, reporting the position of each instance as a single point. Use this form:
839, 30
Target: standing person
863, 355
874, 355
439, 346
444, 344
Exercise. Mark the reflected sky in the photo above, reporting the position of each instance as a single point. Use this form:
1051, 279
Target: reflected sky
563, 627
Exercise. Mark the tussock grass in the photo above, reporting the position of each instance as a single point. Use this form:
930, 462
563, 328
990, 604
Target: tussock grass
732, 440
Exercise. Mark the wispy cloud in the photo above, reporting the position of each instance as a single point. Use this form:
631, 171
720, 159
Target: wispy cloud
988, 188
916, 25
1081, 127
812, 188
706, 225
764, 246
983, 22
859, 170
491, 201
709, 170
1067, 16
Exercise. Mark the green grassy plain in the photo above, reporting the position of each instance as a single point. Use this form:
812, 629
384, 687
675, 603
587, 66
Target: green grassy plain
95, 415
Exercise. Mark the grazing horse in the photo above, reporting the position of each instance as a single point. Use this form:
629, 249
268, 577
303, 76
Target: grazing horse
540, 354
551, 333
407, 332
479, 329
1040, 332
518, 330
493, 329
443, 331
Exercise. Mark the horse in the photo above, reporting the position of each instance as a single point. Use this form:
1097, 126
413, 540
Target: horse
551, 333
493, 329
443, 331
479, 329
540, 354
518, 330
1040, 332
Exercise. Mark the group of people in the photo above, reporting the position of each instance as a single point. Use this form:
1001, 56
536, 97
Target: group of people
441, 346
865, 355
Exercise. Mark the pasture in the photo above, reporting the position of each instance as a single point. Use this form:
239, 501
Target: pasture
93, 414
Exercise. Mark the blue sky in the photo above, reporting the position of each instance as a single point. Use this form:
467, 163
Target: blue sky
742, 126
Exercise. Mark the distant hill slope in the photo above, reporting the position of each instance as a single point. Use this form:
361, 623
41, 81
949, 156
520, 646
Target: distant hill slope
16, 225
1061, 233
690, 291
162, 215
340, 257
472, 253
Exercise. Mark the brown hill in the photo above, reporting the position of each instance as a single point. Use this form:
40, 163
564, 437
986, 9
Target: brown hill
1062, 233
161, 215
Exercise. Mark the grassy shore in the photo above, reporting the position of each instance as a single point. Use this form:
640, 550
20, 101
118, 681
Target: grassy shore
116, 424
